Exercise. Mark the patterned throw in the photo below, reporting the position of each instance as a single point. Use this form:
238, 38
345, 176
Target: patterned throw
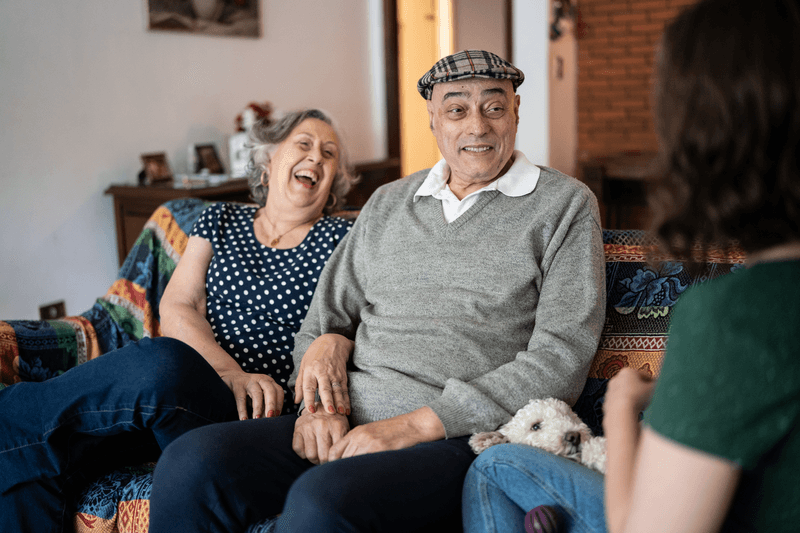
639, 306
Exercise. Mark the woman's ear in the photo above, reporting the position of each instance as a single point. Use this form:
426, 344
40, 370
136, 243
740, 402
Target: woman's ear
265, 178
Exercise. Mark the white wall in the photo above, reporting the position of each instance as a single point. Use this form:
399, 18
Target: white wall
85, 89
531, 45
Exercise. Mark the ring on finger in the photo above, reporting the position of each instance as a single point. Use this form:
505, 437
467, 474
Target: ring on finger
336, 384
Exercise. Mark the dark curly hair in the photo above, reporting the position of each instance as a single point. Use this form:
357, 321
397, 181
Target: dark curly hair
727, 102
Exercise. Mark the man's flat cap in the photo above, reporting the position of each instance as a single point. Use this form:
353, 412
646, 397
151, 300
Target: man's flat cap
469, 64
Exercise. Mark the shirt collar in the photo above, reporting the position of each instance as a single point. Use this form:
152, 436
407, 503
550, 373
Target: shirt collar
519, 180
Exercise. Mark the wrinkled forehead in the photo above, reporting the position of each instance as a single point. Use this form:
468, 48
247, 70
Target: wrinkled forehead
314, 127
472, 89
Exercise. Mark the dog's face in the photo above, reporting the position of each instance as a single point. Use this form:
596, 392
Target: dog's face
550, 425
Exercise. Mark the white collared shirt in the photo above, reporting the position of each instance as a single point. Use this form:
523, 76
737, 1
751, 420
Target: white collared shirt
519, 180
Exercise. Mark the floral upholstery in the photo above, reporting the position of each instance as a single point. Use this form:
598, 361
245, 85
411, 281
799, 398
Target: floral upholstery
638, 311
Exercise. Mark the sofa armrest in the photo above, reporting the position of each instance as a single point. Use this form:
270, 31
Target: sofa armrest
36, 350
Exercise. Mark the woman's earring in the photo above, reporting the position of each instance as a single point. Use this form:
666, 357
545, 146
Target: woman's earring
335, 200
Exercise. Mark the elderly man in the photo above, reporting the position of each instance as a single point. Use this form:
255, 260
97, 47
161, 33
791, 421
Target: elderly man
462, 292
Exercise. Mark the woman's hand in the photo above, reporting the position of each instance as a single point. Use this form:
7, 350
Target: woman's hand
315, 433
264, 394
324, 368
629, 392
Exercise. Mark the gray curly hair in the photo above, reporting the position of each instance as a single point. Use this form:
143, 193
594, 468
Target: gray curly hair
264, 140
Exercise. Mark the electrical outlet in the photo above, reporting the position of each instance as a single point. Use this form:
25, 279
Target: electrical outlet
53, 310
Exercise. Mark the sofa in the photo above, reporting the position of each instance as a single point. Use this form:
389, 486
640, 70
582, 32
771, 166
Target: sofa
639, 303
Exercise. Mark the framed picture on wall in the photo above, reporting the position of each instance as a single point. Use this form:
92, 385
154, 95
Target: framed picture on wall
156, 169
207, 159
232, 18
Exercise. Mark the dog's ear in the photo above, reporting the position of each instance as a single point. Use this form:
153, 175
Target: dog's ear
480, 441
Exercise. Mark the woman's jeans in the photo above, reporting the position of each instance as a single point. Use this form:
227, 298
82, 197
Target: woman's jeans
140, 397
508, 480
228, 476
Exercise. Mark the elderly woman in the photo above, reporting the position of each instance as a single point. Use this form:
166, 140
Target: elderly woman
229, 316
242, 288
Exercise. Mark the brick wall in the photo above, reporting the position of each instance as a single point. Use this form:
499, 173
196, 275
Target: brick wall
615, 64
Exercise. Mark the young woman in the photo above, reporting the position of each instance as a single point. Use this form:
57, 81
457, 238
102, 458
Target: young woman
719, 446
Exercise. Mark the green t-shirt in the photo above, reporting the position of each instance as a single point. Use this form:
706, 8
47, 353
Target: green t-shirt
730, 386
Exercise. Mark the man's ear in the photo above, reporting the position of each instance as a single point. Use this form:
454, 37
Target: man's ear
516, 107
429, 104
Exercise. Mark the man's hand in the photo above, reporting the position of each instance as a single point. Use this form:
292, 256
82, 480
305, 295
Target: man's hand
265, 395
394, 433
315, 433
324, 368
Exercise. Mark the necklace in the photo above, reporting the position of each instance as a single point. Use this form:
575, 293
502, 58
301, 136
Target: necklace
274, 242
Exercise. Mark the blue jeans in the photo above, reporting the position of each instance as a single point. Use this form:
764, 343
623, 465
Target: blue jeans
136, 399
228, 476
508, 480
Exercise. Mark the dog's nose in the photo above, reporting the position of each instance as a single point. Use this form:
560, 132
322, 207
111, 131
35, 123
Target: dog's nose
573, 437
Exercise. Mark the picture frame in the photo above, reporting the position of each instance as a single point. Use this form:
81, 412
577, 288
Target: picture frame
156, 169
208, 159
226, 18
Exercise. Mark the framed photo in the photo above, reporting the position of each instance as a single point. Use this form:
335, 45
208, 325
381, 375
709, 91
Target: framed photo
156, 168
208, 159
233, 18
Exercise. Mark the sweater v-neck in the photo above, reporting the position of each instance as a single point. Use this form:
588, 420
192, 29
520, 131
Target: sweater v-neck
435, 212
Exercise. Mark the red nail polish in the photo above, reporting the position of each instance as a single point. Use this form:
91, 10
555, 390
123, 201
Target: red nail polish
341, 410
330, 409
257, 416
271, 414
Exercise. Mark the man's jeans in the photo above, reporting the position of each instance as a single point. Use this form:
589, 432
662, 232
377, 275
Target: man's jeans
142, 396
508, 480
243, 472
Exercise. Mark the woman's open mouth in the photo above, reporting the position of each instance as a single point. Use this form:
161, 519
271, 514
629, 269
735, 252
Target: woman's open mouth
306, 178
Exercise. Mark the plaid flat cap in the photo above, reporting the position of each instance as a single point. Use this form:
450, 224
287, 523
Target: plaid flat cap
469, 64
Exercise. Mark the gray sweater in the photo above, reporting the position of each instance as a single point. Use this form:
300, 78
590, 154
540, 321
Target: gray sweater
471, 318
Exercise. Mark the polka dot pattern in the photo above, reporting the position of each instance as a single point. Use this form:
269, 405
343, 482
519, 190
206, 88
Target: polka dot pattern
257, 296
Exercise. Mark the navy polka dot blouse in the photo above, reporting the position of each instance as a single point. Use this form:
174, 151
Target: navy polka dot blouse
258, 296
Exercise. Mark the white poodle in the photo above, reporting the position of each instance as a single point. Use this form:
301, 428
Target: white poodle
551, 425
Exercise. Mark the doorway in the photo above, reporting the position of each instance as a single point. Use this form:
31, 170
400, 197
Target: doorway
467, 38
424, 34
